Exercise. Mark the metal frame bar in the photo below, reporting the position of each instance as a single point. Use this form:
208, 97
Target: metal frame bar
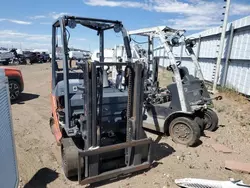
94, 104
53, 60
196, 63
65, 74
126, 41
57, 22
88, 111
150, 52
175, 70
104, 21
137, 109
95, 87
198, 54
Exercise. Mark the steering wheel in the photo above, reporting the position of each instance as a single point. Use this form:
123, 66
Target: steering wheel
178, 63
108, 67
169, 68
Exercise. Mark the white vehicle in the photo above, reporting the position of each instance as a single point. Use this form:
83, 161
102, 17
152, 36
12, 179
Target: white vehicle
41, 50
76, 55
110, 54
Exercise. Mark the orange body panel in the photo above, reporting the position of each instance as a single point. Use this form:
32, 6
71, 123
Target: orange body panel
12, 72
56, 129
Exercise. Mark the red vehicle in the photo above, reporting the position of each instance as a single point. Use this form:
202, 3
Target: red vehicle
16, 84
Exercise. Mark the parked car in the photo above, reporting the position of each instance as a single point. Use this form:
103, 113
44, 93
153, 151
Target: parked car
44, 57
30, 57
16, 84
6, 56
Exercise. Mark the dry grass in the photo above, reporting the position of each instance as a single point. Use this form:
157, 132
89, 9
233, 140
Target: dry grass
165, 77
233, 94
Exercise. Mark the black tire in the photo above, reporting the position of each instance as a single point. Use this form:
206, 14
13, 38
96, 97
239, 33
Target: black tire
15, 62
211, 120
191, 128
6, 62
28, 61
69, 154
15, 90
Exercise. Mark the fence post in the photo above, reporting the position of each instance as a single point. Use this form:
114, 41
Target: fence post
223, 33
198, 54
181, 53
229, 49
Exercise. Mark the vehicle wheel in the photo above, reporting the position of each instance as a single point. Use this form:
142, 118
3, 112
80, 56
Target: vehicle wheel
69, 153
6, 62
211, 120
14, 88
28, 61
184, 131
15, 62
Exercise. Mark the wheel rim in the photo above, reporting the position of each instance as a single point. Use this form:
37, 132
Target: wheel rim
14, 90
208, 121
28, 61
182, 132
16, 62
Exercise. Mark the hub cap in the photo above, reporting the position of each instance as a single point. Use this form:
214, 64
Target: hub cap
181, 131
14, 91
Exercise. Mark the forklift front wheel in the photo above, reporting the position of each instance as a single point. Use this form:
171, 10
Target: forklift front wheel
211, 120
69, 153
184, 130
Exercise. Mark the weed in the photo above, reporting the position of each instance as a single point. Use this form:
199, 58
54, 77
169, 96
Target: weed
233, 93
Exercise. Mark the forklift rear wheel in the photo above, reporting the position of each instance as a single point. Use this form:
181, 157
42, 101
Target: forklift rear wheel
184, 130
69, 153
211, 120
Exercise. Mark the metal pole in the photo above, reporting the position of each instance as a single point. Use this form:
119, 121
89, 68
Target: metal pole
53, 60
181, 53
65, 74
101, 46
198, 54
223, 34
228, 55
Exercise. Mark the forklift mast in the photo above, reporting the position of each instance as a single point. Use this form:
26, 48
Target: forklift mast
165, 34
169, 38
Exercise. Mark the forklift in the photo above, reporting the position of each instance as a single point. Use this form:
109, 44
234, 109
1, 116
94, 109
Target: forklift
97, 126
181, 109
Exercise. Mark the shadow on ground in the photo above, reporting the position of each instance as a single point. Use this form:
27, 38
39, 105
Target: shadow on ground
25, 97
42, 178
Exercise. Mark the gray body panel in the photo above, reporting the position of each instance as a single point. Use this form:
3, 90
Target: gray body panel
114, 101
8, 163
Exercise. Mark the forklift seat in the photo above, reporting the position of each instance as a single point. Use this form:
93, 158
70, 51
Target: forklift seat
185, 76
183, 72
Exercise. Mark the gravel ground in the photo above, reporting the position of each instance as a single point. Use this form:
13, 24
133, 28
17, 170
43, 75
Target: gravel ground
39, 159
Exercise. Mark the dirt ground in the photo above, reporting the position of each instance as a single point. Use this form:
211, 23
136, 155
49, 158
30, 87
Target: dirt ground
39, 158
